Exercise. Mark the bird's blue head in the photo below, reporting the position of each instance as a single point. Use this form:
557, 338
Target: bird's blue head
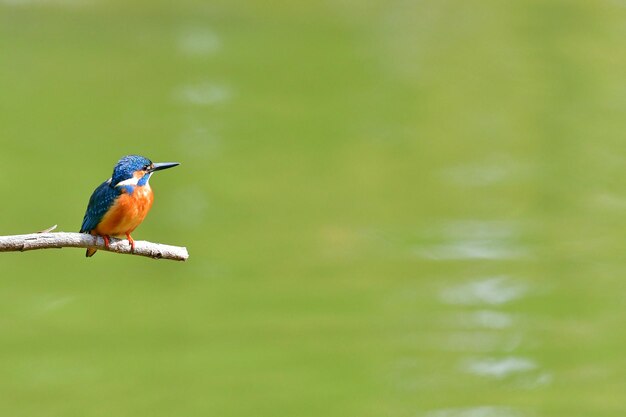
136, 170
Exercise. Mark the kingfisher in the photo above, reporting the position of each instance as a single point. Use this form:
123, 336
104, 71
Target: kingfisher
121, 203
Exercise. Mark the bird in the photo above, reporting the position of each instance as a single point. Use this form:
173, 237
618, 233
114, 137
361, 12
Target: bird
122, 202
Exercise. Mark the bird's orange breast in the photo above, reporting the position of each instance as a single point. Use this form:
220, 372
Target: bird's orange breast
127, 212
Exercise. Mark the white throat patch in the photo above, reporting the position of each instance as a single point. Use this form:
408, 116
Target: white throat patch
134, 180
130, 181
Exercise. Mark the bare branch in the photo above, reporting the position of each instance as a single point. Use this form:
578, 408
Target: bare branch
46, 240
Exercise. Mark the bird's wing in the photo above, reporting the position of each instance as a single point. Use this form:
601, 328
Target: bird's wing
101, 200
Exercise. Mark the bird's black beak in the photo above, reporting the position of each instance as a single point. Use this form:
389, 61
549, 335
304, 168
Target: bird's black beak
162, 165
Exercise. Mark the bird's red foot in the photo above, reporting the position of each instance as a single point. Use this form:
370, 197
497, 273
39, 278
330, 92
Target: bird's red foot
106, 241
131, 241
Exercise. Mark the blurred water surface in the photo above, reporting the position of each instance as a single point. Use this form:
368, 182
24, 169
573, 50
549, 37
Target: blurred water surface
393, 208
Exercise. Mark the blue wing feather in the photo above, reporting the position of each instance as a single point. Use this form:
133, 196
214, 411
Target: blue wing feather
101, 200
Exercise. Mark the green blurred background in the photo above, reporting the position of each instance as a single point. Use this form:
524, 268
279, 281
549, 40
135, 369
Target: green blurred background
393, 208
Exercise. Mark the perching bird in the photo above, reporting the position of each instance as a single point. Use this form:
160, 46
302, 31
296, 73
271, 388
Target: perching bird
121, 203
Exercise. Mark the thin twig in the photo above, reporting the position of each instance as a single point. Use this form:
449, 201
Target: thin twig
49, 229
47, 240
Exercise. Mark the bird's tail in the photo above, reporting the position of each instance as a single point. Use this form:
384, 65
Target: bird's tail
90, 251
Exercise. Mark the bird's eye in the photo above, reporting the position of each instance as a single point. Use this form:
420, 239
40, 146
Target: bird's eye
145, 167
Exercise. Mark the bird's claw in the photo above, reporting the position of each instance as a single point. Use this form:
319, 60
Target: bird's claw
131, 241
